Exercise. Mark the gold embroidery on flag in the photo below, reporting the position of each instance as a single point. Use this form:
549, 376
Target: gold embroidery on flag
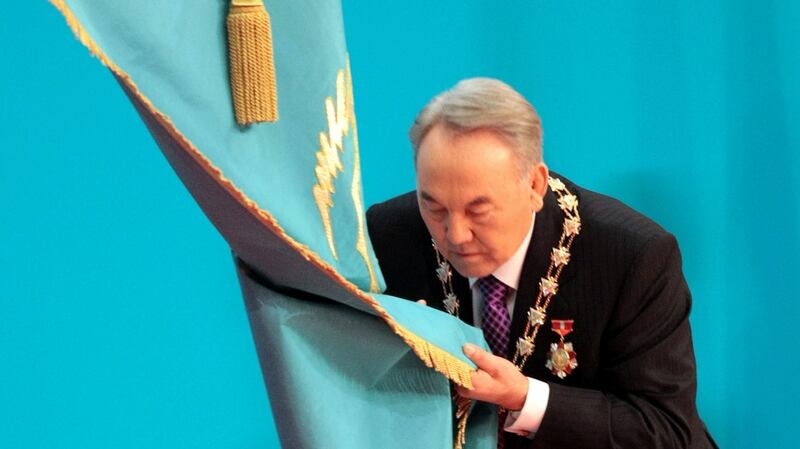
329, 164
355, 191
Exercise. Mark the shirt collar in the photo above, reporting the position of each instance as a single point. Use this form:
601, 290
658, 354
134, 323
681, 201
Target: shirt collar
511, 270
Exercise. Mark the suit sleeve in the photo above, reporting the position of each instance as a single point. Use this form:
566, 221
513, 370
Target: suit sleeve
647, 369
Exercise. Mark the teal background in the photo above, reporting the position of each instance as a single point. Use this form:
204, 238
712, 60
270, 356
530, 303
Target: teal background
122, 324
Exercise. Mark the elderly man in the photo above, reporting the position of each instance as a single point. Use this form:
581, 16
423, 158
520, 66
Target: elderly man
581, 299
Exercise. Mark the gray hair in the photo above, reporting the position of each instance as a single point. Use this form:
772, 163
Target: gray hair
484, 104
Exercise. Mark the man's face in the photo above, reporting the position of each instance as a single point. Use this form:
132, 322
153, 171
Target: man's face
472, 199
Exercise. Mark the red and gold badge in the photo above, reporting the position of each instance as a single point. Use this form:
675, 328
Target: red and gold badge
561, 359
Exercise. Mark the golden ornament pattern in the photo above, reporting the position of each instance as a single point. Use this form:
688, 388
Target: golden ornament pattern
341, 119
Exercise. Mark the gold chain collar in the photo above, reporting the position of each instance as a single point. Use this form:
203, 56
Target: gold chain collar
548, 285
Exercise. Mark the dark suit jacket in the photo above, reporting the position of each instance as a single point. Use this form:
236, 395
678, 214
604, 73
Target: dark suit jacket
635, 383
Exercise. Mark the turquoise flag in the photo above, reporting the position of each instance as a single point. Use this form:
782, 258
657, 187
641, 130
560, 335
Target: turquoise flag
345, 366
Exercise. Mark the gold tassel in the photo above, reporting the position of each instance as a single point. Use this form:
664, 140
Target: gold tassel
252, 68
463, 407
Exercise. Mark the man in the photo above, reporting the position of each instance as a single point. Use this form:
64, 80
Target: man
581, 299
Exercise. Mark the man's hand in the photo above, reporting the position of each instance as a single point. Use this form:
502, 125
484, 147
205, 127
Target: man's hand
496, 380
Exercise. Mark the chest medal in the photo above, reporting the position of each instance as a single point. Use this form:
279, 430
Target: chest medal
561, 359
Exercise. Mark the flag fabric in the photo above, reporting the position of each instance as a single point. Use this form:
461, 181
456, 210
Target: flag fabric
345, 366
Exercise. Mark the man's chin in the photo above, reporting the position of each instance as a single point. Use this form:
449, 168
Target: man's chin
472, 270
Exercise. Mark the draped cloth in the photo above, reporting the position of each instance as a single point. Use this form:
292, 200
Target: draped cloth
345, 366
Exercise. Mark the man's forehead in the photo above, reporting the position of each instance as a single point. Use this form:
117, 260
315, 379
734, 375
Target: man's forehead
442, 147
471, 201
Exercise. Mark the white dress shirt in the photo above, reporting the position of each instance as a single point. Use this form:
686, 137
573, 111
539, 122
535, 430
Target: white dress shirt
526, 421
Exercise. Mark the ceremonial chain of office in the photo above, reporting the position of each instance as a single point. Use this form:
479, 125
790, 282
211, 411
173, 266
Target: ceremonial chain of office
562, 357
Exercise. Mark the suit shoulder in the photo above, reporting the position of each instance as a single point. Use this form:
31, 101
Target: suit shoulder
613, 218
402, 246
401, 212
396, 220
610, 224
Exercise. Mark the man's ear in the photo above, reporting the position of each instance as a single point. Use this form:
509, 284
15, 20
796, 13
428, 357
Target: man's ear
538, 184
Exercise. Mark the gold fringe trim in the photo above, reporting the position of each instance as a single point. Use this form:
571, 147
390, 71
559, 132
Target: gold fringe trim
431, 355
463, 407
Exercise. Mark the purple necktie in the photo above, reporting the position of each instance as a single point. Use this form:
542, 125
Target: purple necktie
496, 322
496, 327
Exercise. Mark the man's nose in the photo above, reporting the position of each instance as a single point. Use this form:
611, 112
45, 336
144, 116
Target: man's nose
458, 231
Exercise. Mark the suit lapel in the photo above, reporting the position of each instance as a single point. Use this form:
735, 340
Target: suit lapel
546, 232
464, 294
